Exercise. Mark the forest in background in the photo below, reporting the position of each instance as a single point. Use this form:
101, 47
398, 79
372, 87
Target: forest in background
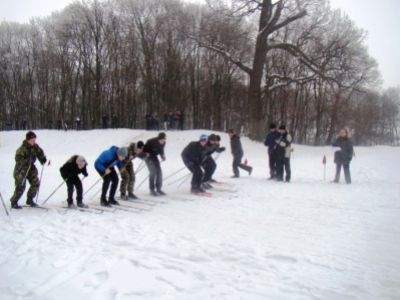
241, 64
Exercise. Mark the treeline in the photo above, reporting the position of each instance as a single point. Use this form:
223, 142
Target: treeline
126, 59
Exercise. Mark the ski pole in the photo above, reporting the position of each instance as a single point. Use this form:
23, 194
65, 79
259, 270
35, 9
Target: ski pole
4, 205
174, 173
184, 179
56, 189
179, 179
141, 183
40, 181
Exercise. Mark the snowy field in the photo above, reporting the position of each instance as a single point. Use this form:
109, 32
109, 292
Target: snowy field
258, 239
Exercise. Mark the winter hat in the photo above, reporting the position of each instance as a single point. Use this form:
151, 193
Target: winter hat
218, 138
212, 137
203, 137
162, 136
30, 135
80, 160
282, 127
123, 152
140, 145
272, 126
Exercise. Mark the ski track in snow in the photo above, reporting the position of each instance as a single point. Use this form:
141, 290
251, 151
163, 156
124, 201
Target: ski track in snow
309, 239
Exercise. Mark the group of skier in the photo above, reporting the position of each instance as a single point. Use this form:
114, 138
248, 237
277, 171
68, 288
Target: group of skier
197, 157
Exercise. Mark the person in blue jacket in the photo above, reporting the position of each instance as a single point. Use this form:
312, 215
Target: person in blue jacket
104, 165
270, 139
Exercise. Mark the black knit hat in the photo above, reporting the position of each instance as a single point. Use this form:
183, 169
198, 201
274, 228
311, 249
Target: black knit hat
162, 136
140, 145
272, 126
30, 135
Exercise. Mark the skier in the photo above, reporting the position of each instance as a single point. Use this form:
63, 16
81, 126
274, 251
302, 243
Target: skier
209, 165
344, 155
237, 152
283, 151
104, 165
25, 169
192, 157
152, 149
70, 173
127, 173
270, 139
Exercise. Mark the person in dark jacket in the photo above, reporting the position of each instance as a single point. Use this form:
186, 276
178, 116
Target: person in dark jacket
127, 173
343, 156
209, 165
237, 152
192, 157
25, 169
104, 165
70, 173
270, 139
153, 148
283, 152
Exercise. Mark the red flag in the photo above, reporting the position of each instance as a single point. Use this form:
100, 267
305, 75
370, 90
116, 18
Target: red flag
245, 162
324, 160
49, 163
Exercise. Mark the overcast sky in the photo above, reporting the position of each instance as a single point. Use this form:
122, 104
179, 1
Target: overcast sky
380, 18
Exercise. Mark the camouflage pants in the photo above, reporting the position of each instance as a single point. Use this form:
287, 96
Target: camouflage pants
127, 179
20, 183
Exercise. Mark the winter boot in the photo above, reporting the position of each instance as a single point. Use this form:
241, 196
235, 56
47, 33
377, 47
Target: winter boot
153, 193
161, 193
113, 202
132, 196
15, 205
31, 203
104, 202
124, 197
71, 205
82, 205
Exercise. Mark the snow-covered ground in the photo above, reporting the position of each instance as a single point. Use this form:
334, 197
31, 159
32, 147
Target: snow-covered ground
309, 239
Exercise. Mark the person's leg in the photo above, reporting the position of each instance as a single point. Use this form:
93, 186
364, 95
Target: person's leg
337, 175
287, 169
70, 190
152, 174
34, 182
235, 165
159, 176
114, 186
346, 170
20, 184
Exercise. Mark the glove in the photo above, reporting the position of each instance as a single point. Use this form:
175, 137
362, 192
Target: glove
163, 157
222, 149
44, 161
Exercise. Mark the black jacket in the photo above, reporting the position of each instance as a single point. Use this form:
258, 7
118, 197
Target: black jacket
282, 148
345, 154
236, 146
193, 153
70, 169
154, 148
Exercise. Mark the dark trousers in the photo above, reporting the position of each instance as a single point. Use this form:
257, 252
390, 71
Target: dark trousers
107, 179
209, 166
346, 170
283, 164
155, 176
197, 174
237, 163
71, 183
272, 164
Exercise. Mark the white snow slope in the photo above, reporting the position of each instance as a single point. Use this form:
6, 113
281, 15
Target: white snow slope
309, 239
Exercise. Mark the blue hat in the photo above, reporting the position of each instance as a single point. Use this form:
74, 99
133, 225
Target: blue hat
204, 137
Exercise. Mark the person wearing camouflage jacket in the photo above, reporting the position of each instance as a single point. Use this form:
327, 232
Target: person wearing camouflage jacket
25, 169
127, 172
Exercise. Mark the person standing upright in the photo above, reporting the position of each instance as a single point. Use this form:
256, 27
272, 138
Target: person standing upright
237, 152
270, 139
283, 151
153, 148
25, 169
343, 156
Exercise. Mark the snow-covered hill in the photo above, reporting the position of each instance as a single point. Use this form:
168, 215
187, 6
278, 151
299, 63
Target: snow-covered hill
309, 239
